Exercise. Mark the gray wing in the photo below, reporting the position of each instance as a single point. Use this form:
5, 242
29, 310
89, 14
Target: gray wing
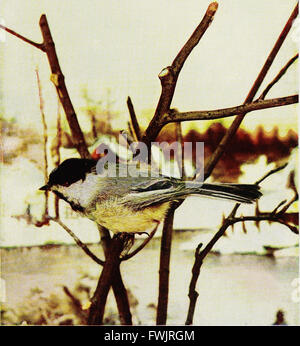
153, 191
168, 189
142, 191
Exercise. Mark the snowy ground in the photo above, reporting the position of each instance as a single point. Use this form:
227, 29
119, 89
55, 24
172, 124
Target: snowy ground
233, 289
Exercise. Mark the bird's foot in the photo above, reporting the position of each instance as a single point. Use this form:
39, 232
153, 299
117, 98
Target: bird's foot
128, 241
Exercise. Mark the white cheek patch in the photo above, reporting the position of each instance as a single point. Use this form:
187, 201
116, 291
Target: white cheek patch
81, 192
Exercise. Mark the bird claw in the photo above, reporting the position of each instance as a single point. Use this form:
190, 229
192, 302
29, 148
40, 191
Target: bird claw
128, 241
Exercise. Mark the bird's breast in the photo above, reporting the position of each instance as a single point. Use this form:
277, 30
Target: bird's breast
119, 218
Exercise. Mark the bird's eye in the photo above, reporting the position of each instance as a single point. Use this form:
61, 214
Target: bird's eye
66, 184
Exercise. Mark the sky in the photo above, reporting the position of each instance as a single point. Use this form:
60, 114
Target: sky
123, 45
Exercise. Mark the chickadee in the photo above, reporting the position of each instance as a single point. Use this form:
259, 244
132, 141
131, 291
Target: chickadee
131, 204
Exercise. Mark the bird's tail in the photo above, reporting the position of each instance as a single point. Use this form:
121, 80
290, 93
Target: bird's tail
243, 193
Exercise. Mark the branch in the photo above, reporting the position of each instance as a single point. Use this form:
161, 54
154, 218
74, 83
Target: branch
106, 280
275, 216
139, 248
78, 241
278, 76
57, 151
180, 158
76, 304
174, 116
79, 141
117, 285
165, 255
168, 76
195, 38
36, 45
134, 122
193, 294
45, 137
275, 170
58, 80
238, 120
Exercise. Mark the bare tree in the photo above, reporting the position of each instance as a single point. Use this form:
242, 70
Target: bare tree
111, 275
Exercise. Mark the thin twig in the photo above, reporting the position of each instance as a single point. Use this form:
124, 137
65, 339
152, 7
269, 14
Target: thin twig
274, 211
127, 136
238, 120
45, 137
57, 149
292, 186
78, 241
264, 217
275, 170
23, 38
76, 304
130, 130
278, 76
134, 121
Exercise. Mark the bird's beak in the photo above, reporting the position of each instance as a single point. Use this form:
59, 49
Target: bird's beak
45, 187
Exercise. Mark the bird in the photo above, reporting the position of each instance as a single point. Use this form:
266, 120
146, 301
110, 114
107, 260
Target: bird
131, 204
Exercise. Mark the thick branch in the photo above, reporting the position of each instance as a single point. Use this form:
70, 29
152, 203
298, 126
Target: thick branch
164, 271
174, 116
238, 120
107, 278
118, 287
